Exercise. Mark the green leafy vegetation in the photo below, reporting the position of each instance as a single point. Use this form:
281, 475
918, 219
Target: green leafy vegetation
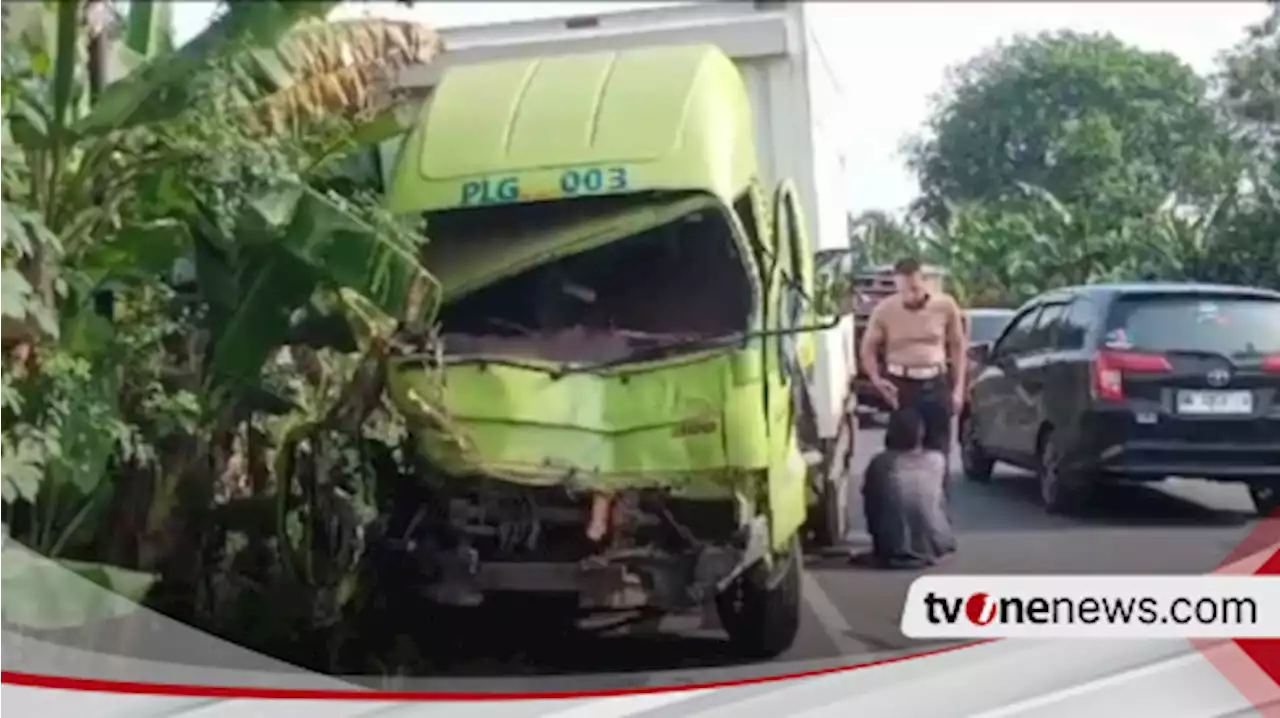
1070, 158
183, 231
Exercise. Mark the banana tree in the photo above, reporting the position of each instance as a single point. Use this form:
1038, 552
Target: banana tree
52, 446
882, 238
208, 153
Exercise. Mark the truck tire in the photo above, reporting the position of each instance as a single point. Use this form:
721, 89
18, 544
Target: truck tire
761, 612
832, 515
830, 524
805, 425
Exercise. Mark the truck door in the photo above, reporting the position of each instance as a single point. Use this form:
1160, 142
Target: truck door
800, 263
798, 289
784, 374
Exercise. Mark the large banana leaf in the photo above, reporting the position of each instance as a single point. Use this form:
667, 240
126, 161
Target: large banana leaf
315, 240
161, 89
296, 239
251, 311
149, 28
350, 253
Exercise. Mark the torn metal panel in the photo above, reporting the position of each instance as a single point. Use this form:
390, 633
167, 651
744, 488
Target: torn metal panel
588, 358
472, 248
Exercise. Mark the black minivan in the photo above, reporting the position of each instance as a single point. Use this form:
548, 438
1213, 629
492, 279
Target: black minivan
1132, 382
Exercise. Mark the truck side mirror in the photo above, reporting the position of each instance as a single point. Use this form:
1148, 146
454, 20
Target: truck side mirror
833, 302
834, 263
834, 298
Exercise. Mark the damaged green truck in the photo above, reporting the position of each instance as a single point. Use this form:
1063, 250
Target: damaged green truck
616, 415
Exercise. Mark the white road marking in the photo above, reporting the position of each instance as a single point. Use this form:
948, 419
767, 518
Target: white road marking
833, 622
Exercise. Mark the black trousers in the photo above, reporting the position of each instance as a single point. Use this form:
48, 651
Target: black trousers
931, 399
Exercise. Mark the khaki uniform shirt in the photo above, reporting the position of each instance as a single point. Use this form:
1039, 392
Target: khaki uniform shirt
916, 338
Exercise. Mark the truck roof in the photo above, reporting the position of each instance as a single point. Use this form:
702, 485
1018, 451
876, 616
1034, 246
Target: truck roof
634, 120
744, 31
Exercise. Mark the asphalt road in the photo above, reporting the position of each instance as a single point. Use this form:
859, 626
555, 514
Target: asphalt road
1181, 526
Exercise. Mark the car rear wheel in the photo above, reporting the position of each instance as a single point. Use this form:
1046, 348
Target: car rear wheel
761, 610
1062, 490
977, 465
1266, 499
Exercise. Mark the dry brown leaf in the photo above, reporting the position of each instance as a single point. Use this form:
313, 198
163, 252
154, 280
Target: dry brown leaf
343, 69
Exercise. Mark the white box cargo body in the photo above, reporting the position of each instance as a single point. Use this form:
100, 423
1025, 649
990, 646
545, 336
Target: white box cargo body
797, 103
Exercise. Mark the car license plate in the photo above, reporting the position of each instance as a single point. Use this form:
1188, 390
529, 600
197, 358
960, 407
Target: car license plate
1215, 402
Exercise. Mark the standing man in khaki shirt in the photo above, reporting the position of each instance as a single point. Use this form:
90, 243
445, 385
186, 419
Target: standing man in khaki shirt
918, 330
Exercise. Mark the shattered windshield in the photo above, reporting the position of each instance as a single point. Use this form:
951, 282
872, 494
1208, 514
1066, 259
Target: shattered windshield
670, 284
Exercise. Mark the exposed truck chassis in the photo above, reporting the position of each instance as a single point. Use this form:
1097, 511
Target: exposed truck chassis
472, 538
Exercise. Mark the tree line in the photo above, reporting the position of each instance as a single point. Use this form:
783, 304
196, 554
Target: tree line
200, 284
1068, 157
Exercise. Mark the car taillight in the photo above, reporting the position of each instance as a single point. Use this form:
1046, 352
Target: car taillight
1110, 367
1271, 364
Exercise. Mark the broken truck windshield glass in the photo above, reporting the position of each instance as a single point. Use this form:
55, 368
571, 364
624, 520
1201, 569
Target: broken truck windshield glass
670, 284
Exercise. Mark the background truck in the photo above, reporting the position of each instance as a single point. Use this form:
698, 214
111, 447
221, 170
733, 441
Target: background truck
798, 110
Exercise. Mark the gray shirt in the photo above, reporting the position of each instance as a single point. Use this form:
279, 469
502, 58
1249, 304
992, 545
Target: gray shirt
905, 504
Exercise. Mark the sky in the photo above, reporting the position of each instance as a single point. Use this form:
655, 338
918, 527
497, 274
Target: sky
892, 57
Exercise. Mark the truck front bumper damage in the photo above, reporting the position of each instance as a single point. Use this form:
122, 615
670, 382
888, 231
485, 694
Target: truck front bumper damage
612, 580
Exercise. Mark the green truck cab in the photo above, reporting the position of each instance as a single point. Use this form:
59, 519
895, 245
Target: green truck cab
608, 408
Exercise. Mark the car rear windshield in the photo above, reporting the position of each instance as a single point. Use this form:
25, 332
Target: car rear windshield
1237, 327
986, 327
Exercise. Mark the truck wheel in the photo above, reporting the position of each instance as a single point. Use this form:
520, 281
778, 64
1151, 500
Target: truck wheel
828, 516
827, 523
832, 521
762, 616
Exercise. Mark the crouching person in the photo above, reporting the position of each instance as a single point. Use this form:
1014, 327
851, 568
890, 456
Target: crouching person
903, 495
